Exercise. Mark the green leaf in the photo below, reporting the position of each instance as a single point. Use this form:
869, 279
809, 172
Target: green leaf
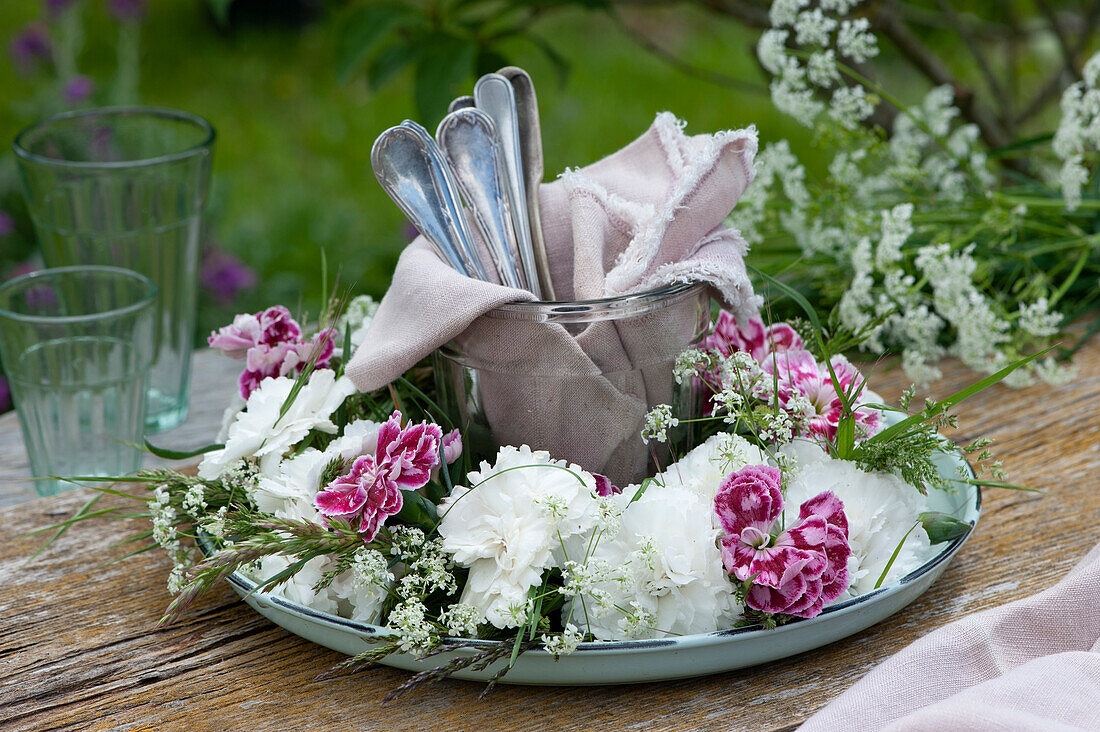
417, 510
561, 64
897, 550
943, 527
390, 61
446, 63
220, 10
921, 417
179, 454
488, 62
362, 31
845, 437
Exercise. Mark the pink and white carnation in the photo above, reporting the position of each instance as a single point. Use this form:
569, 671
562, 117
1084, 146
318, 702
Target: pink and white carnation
271, 344
371, 491
266, 328
755, 338
880, 508
797, 570
806, 390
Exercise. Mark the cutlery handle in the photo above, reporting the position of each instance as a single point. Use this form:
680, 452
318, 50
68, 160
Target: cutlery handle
470, 143
412, 170
494, 95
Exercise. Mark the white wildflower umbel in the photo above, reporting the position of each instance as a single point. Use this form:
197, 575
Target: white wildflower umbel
415, 633
369, 567
214, 523
563, 643
638, 622
194, 502
461, 620
658, 421
427, 569
164, 517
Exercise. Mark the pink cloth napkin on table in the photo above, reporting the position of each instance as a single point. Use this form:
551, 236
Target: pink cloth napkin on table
1033, 664
647, 216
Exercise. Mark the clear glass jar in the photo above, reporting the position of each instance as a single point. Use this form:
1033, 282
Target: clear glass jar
577, 378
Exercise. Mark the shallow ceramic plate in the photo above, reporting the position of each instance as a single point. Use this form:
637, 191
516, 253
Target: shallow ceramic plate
625, 662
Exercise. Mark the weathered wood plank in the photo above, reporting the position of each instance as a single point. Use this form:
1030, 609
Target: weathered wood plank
77, 650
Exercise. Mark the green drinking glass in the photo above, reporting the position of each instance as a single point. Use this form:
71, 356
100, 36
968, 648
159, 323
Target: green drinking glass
77, 344
126, 187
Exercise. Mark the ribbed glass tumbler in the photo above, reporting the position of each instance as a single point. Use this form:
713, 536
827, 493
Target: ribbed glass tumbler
126, 187
77, 345
577, 378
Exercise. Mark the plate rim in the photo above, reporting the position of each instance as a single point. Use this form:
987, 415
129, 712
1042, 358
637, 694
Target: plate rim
372, 633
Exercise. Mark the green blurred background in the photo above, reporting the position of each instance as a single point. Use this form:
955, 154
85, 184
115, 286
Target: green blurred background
292, 169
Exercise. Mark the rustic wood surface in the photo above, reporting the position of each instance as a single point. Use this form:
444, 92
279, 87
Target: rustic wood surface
78, 649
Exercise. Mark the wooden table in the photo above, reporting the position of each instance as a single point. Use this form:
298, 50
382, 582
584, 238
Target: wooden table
77, 649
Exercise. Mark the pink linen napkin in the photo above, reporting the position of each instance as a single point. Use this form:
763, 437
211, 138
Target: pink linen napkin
1033, 664
647, 216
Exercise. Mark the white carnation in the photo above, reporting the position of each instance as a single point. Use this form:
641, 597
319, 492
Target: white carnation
260, 432
508, 526
703, 469
669, 578
880, 509
288, 489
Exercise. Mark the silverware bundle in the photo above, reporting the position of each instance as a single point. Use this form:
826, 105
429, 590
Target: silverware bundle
489, 149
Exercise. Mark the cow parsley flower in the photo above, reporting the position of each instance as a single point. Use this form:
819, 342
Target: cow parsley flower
461, 620
365, 586
821, 69
813, 28
792, 97
840, 7
415, 633
658, 421
850, 105
499, 526
855, 40
1038, 320
785, 12
772, 51
563, 643
1072, 177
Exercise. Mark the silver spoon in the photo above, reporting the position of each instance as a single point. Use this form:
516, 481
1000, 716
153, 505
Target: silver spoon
471, 145
460, 103
494, 96
530, 138
413, 171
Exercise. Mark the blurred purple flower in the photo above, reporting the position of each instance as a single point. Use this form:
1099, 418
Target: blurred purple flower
128, 9
30, 47
5, 395
224, 275
56, 7
24, 267
78, 89
7, 224
409, 231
